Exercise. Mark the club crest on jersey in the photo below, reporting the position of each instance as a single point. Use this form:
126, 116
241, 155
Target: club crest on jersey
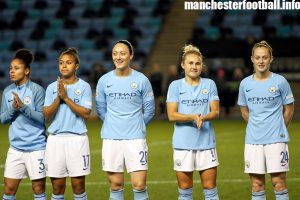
27, 100
272, 89
205, 91
78, 91
134, 85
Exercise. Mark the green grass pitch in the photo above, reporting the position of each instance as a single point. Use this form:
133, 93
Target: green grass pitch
233, 184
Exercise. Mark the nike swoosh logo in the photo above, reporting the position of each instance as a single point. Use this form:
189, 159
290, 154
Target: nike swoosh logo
180, 93
10, 100
108, 86
54, 92
248, 90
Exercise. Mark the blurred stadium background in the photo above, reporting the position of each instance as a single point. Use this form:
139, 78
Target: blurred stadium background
158, 29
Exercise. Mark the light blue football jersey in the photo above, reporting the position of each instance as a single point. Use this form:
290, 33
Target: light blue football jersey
265, 102
27, 128
65, 120
193, 100
125, 104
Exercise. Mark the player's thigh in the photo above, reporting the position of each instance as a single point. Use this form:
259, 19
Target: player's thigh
11, 186
209, 178
38, 185
136, 155
138, 179
279, 181
254, 157
116, 180
58, 185
258, 182
277, 157
78, 184
113, 155
184, 179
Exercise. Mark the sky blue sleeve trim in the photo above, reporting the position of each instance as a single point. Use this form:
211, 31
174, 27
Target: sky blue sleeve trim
289, 101
214, 99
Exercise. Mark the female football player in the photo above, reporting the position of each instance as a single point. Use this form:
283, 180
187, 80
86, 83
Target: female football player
125, 104
192, 103
267, 105
68, 103
22, 107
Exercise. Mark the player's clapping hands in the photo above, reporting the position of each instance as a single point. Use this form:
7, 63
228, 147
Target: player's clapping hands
17, 103
61, 90
198, 120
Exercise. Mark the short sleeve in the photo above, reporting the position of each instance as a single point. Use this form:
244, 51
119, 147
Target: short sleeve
100, 94
50, 92
213, 92
242, 98
87, 97
172, 95
286, 93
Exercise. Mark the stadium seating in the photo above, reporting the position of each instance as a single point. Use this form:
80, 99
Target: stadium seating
92, 26
215, 31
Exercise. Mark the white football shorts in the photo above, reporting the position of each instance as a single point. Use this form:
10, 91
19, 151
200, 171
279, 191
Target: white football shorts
20, 165
266, 158
116, 154
67, 155
190, 160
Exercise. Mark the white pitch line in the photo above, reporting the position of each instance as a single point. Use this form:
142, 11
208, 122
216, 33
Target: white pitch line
91, 183
164, 142
98, 151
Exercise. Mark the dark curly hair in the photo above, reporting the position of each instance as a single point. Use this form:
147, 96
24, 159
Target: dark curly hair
26, 56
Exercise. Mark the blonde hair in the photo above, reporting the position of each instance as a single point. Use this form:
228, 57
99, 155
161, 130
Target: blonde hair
70, 51
190, 49
262, 44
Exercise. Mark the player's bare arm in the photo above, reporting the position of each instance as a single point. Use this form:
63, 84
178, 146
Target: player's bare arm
245, 113
288, 112
175, 116
214, 112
